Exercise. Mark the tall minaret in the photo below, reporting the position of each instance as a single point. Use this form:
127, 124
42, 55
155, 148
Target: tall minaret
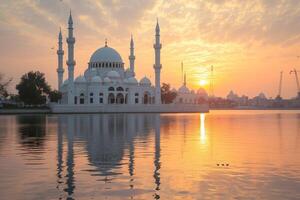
131, 56
70, 62
157, 65
184, 79
60, 53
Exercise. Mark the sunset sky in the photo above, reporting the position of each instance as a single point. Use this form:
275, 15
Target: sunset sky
248, 42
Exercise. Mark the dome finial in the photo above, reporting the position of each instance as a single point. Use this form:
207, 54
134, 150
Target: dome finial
105, 42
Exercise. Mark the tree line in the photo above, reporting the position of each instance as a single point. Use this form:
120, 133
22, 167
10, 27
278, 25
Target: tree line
33, 89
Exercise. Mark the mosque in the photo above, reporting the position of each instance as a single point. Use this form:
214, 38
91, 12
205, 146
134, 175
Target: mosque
107, 86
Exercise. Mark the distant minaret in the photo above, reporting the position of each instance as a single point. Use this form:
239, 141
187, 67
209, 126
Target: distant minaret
60, 53
131, 56
157, 65
184, 79
70, 62
181, 71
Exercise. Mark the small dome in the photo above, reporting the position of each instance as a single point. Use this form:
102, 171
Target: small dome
90, 72
129, 73
201, 91
80, 79
173, 90
96, 79
106, 54
106, 80
145, 81
66, 82
183, 89
113, 74
132, 80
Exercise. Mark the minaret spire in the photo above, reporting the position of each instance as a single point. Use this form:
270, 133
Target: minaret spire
131, 56
157, 65
70, 18
70, 62
184, 81
181, 71
60, 53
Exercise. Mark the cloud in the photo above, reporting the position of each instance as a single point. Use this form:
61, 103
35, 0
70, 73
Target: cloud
225, 33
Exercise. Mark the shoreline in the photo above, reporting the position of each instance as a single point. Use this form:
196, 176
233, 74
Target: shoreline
254, 109
48, 111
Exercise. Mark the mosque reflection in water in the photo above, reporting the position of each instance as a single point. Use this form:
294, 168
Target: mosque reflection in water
146, 156
107, 137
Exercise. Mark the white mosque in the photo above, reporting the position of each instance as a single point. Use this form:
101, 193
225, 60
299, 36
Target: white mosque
107, 86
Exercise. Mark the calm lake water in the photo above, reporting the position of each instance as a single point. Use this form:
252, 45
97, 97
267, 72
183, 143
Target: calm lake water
220, 155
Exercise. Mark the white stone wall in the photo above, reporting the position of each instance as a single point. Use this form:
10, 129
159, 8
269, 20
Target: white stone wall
86, 88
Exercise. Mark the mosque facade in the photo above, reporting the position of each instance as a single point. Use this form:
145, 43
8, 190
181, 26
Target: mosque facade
106, 82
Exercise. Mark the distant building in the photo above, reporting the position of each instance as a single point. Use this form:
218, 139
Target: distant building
186, 96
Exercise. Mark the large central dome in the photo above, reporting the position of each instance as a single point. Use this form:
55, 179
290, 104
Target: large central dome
106, 54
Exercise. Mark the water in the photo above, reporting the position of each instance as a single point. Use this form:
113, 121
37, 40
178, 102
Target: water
220, 155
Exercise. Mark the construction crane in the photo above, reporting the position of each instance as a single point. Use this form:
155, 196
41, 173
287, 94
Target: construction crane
211, 85
297, 81
280, 86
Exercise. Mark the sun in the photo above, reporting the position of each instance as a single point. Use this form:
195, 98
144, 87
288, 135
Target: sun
202, 82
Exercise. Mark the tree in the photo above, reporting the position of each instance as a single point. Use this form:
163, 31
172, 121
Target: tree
55, 96
167, 96
3, 86
33, 88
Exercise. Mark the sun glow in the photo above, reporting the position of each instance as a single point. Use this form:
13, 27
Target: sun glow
202, 82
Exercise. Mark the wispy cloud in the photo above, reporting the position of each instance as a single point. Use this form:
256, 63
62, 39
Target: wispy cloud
229, 34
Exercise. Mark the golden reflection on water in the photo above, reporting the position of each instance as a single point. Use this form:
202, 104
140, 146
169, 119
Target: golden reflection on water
202, 128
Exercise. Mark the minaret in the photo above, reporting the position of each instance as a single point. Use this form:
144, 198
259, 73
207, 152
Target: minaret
184, 79
131, 57
60, 53
157, 65
70, 62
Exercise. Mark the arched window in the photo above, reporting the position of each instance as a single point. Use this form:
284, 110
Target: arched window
75, 100
106, 64
120, 89
109, 64
111, 89
136, 94
100, 94
146, 98
81, 100
91, 97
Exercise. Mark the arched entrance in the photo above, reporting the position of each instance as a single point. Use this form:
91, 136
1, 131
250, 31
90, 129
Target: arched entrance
111, 98
120, 98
